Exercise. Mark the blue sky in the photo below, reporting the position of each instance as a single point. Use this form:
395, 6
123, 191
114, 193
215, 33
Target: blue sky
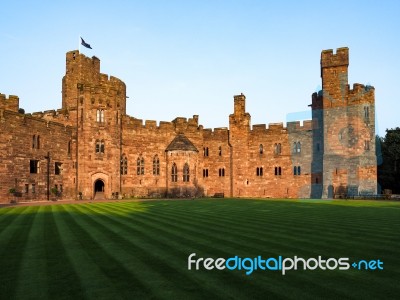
181, 58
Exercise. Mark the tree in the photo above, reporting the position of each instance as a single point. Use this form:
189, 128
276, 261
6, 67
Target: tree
389, 156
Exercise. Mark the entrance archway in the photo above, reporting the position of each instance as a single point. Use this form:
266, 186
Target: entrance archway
99, 186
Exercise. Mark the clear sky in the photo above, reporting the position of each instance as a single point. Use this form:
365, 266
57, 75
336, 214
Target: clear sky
184, 58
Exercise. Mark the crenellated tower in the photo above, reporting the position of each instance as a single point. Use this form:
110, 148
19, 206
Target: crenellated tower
344, 131
239, 129
99, 102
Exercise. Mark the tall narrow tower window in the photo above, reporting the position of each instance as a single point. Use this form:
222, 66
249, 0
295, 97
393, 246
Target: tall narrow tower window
124, 165
140, 166
156, 165
186, 173
174, 173
100, 116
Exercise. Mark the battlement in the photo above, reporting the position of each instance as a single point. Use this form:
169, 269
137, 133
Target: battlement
296, 126
9, 103
218, 132
330, 59
361, 93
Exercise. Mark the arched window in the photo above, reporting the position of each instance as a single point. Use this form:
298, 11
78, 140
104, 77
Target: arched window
186, 173
294, 170
174, 173
69, 148
261, 149
97, 146
140, 166
298, 170
100, 116
34, 142
156, 165
279, 171
220, 151
124, 165
205, 151
298, 147
276, 171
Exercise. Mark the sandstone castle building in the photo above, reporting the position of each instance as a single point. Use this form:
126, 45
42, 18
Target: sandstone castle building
91, 148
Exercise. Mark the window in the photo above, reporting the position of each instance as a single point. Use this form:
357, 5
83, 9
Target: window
296, 147
186, 173
100, 116
174, 173
34, 166
366, 145
278, 148
261, 149
100, 146
57, 168
221, 172
205, 151
205, 173
124, 165
296, 170
278, 171
156, 165
26, 188
36, 142
61, 188
220, 151
259, 171
140, 166
366, 112
33, 188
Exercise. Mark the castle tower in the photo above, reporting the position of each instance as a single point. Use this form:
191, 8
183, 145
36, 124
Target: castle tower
96, 103
239, 129
344, 132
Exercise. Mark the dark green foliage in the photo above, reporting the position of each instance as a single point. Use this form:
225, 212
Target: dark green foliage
139, 250
389, 156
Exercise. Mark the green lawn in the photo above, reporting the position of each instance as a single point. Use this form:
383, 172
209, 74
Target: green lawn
139, 250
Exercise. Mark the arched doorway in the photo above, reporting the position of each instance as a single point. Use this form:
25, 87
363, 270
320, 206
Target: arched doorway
99, 188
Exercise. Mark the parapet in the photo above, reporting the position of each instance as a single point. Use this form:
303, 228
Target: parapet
329, 59
10, 103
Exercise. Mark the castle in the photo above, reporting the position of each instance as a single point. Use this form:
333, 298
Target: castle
90, 148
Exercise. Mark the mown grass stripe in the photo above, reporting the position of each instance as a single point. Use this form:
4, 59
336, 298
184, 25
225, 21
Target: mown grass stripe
156, 266
32, 278
165, 235
58, 265
126, 284
85, 265
313, 235
12, 246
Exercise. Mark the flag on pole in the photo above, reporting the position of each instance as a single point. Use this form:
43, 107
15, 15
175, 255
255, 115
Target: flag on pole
83, 43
